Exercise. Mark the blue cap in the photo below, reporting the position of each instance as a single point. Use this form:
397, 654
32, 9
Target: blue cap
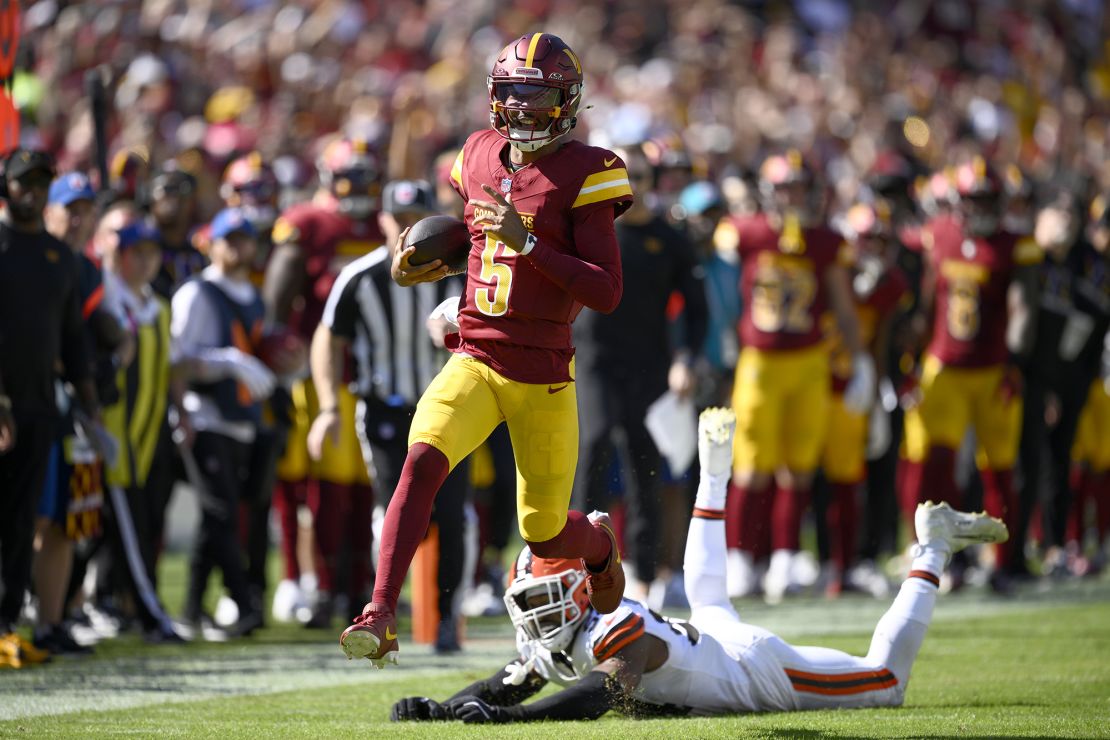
137, 232
228, 221
698, 197
69, 187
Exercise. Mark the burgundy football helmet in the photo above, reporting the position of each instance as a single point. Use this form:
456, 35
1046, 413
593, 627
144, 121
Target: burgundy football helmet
534, 91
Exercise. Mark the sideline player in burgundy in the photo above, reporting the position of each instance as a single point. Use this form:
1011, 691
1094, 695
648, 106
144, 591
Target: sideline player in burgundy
540, 209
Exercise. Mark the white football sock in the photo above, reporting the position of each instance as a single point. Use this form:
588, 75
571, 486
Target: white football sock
712, 491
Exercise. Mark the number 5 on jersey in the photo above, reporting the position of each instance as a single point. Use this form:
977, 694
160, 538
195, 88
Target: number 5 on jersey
492, 299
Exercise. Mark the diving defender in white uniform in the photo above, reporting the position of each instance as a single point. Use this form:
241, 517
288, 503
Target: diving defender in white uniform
643, 664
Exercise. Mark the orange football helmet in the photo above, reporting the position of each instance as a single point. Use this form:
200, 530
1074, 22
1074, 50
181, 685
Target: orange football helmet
547, 599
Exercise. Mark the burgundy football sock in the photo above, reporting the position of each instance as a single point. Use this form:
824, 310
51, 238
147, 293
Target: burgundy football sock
750, 516
1100, 492
938, 478
842, 517
732, 516
1077, 515
330, 504
361, 533
407, 518
1000, 500
786, 517
579, 539
285, 506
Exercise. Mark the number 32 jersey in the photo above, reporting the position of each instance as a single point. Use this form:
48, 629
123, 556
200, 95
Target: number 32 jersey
782, 282
511, 316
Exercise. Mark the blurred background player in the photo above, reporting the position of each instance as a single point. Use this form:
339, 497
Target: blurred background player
878, 288
217, 330
396, 356
977, 323
313, 242
625, 361
793, 270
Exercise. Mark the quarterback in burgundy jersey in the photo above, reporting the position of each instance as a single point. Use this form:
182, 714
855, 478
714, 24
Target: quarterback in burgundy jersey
540, 209
793, 270
979, 284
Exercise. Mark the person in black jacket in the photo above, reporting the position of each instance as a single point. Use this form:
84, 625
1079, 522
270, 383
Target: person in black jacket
625, 361
40, 331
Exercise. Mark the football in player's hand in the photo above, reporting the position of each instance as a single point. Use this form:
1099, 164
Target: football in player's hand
439, 238
283, 351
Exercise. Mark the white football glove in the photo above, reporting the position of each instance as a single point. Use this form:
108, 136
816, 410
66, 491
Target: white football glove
860, 393
878, 433
247, 369
448, 310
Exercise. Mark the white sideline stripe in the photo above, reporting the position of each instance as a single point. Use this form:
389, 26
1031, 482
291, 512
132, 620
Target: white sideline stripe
602, 186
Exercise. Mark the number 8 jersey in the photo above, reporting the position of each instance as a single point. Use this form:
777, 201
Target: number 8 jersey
972, 276
782, 281
512, 316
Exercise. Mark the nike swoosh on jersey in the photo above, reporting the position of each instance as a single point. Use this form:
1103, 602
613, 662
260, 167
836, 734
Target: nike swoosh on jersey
389, 635
609, 162
556, 390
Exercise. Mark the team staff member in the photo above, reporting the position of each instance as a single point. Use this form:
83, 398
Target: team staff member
135, 419
514, 361
73, 495
383, 326
40, 325
216, 328
977, 323
1073, 312
625, 362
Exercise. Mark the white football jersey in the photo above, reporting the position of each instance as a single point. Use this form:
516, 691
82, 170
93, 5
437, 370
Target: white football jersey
698, 677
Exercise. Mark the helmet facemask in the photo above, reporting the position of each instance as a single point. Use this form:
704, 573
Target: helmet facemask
532, 113
548, 609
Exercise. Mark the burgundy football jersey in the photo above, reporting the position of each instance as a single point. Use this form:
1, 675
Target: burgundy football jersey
330, 240
511, 316
973, 274
874, 299
782, 281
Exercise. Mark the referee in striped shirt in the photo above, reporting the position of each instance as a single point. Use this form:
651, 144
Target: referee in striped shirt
397, 352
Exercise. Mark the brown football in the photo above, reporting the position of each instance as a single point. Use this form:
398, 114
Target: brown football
439, 238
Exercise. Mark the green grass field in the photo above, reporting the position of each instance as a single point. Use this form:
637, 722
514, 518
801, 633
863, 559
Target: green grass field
1036, 665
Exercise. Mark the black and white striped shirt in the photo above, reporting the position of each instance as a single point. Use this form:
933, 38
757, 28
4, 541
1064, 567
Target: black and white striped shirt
385, 323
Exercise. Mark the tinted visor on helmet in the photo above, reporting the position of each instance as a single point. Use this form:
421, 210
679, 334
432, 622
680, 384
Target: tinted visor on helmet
523, 94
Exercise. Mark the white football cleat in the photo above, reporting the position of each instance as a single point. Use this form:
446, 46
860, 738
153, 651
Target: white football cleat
715, 429
740, 574
940, 525
288, 599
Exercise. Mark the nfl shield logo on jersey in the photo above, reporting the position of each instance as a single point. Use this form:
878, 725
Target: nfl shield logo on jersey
506, 184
